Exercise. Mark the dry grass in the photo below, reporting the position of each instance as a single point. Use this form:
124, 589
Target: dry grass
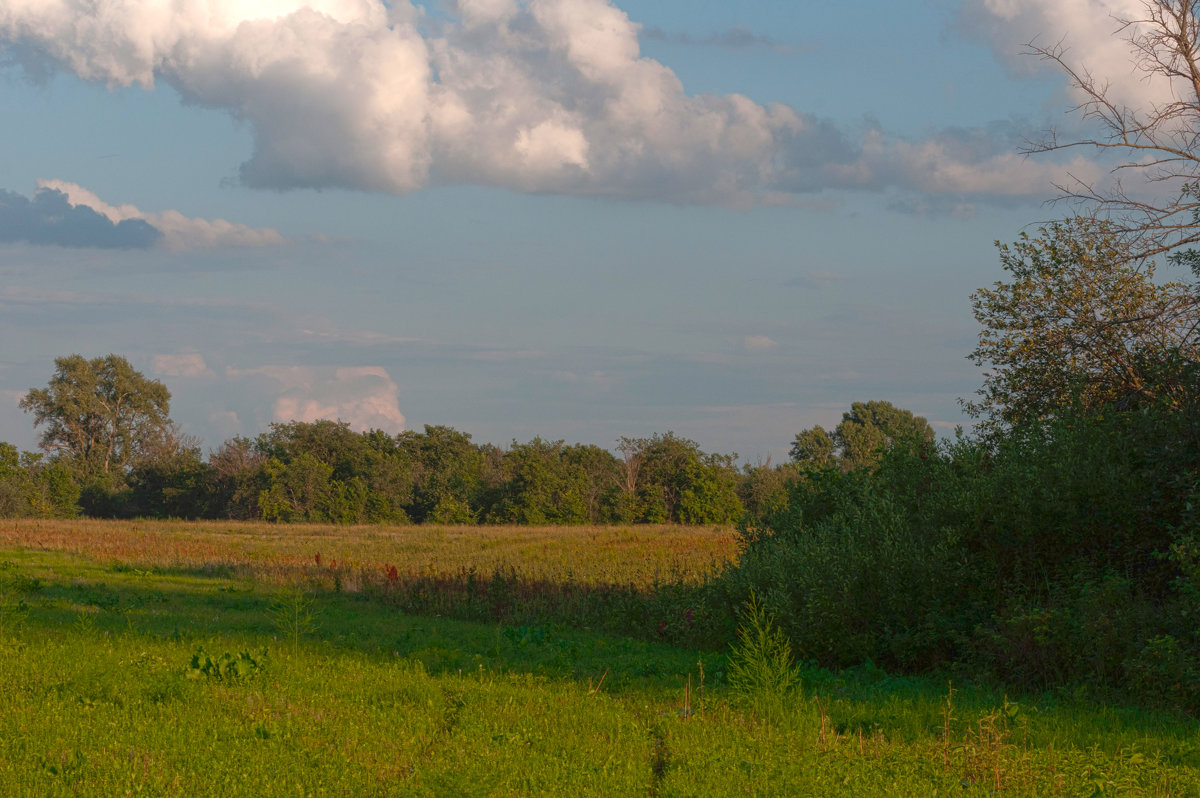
637, 556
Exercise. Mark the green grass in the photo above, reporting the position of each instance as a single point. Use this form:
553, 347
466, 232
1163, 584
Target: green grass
99, 697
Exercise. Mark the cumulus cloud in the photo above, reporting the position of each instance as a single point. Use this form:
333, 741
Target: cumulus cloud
532, 95
189, 364
173, 230
364, 397
1090, 31
51, 218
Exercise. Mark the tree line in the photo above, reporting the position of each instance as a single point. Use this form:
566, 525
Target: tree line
109, 449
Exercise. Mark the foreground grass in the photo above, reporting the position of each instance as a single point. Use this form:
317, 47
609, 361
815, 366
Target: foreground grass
105, 692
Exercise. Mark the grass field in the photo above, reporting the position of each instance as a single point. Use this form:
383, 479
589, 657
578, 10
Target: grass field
206, 659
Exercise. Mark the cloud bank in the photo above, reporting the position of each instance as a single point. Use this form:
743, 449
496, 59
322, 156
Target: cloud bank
68, 215
174, 230
532, 95
51, 218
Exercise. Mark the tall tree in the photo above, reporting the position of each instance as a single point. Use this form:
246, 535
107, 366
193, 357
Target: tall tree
814, 447
99, 413
1079, 325
450, 473
676, 482
871, 427
865, 431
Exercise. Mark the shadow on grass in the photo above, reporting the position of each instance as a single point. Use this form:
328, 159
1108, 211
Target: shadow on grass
676, 613
456, 623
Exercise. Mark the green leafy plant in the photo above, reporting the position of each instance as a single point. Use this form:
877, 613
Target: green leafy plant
227, 667
761, 663
293, 616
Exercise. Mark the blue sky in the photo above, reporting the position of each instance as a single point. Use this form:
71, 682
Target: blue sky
568, 218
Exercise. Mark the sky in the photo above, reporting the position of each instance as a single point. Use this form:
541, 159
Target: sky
574, 219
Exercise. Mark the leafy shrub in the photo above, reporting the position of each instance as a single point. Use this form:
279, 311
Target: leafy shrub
240, 667
1062, 553
861, 580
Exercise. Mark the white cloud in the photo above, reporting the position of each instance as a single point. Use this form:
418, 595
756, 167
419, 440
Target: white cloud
1089, 30
540, 95
364, 397
179, 232
758, 343
189, 364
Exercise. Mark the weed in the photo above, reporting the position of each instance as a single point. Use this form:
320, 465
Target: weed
240, 667
292, 615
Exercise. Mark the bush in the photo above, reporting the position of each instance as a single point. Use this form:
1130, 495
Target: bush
1060, 554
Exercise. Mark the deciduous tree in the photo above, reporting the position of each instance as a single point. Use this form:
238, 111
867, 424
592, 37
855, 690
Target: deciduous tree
865, 431
99, 413
1078, 325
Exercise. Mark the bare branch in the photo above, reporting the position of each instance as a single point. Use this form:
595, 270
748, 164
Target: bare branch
1160, 142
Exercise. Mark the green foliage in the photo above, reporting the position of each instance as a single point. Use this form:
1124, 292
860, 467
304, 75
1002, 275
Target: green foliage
14, 484
55, 493
1080, 326
99, 413
238, 479
851, 579
866, 431
227, 668
871, 428
297, 490
764, 489
174, 484
544, 484
450, 473
1060, 553
665, 478
761, 663
31, 486
814, 447
115, 454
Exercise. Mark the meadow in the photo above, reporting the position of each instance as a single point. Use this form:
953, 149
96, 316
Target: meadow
165, 658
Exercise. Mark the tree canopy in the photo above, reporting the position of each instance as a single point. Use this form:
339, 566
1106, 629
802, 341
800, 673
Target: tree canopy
865, 431
99, 413
1079, 324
